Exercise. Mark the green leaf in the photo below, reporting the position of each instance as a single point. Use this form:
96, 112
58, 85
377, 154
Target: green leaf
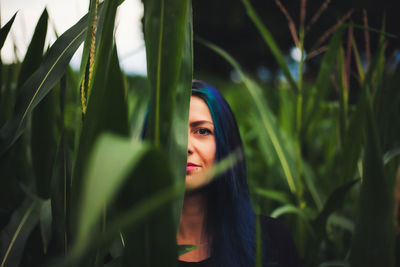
60, 192
87, 43
266, 119
376, 193
273, 194
334, 202
97, 105
165, 24
14, 236
314, 97
144, 247
269, 40
115, 121
177, 147
183, 249
34, 53
354, 136
110, 162
43, 142
42, 81
128, 219
376, 207
45, 224
5, 30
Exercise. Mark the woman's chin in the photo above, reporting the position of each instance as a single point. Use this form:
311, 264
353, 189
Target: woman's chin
196, 179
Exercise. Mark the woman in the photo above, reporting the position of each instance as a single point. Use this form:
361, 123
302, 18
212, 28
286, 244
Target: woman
218, 216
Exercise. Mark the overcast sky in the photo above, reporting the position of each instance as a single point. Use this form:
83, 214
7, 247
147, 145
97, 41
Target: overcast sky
65, 13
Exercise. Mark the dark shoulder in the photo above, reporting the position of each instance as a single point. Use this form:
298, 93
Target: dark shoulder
280, 245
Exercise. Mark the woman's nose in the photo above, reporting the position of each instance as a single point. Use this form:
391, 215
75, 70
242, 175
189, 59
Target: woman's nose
190, 145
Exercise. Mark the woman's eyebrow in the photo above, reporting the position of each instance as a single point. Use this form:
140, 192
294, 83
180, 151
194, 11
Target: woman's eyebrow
197, 123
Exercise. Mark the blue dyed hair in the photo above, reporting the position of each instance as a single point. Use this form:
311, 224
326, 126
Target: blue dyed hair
229, 220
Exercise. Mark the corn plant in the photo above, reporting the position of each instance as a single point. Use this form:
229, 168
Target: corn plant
80, 187
333, 155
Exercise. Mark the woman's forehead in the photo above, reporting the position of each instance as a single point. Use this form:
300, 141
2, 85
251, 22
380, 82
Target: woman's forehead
199, 110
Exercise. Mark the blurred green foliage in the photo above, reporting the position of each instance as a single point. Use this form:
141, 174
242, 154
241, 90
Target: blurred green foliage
79, 186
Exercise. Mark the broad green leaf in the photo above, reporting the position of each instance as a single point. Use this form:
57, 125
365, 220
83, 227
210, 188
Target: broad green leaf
7, 93
144, 247
313, 99
34, 53
341, 221
138, 99
60, 192
387, 99
5, 30
165, 28
266, 119
97, 106
15, 234
115, 120
45, 224
269, 40
390, 155
129, 219
44, 142
42, 81
177, 147
334, 202
376, 193
376, 207
183, 249
309, 180
273, 194
353, 141
334, 264
110, 162
87, 44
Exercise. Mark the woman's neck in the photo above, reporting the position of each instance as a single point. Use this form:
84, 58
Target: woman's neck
191, 227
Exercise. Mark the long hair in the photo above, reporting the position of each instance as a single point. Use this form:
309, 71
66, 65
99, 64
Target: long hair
229, 220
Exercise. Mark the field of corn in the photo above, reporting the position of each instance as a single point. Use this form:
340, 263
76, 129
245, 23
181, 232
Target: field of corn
79, 187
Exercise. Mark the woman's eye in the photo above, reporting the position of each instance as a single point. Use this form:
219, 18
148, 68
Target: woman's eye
204, 131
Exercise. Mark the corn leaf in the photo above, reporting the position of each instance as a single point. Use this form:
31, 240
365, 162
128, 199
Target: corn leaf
269, 40
376, 193
266, 119
165, 28
5, 30
314, 97
376, 208
144, 247
97, 106
41, 82
14, 236
183, 249
45, 221
177, 147
60, 194
110, 163
34, 53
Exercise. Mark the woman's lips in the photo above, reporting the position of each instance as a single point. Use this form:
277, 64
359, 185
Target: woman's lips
191, 166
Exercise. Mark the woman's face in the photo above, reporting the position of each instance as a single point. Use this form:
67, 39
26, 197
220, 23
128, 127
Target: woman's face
201, 143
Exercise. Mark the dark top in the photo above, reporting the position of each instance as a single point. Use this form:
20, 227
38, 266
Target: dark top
281, 250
